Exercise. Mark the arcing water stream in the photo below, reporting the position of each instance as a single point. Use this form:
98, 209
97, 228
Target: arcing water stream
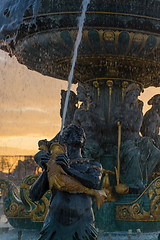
77, 43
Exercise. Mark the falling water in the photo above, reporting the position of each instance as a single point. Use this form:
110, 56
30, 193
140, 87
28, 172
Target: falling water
12, 14
77, 43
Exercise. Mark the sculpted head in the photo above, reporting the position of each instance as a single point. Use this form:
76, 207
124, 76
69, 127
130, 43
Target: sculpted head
74, 135
131, 93
155, 100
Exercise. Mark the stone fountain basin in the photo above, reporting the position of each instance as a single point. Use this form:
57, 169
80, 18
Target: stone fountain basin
121, 39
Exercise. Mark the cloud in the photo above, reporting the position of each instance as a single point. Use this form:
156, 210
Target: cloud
20, 86
2, 59
29, 109
30, 105
16, 151
29, 121
19, 145
25, 109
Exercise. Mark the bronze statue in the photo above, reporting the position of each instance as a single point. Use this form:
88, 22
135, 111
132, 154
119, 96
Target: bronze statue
151, 121
138, 155
60, 180
129, 113
87, 116
70, 214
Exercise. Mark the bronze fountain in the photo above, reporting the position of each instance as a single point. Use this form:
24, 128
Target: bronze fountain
118, 57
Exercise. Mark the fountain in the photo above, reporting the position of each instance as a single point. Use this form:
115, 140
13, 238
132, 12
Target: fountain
118, 56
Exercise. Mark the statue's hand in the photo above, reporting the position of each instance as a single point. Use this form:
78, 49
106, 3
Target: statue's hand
44, 159
62, 159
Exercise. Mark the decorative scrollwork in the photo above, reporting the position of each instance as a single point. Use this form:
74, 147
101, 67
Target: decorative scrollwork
40, 212
136, 208
135, 211
15, 211
124, 213
4, 188
13, 208
157, 184
21, 206
155, 207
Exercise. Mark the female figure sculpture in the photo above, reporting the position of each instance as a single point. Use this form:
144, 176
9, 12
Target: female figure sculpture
70, 215
130, 114
138, 155
87, 116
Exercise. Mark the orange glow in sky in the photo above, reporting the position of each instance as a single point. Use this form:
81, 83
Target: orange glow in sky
30, 105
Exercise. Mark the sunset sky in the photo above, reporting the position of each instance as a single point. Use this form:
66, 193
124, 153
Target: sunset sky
29, 109
30, 105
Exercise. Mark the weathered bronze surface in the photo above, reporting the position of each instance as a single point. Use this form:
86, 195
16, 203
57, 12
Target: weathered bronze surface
118, 57
120, 40
144, 208
73, 179
60, 180
20, 211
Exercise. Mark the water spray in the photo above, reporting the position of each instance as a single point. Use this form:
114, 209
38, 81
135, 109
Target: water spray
74, 58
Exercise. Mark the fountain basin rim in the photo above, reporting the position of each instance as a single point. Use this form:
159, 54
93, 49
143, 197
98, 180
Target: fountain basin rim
91, 29
91, 12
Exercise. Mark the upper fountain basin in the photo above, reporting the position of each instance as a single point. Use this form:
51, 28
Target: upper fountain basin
121, 38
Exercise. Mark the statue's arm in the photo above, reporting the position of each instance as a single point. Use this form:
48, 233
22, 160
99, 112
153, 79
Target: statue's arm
89, 174
38, 189
90, 177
